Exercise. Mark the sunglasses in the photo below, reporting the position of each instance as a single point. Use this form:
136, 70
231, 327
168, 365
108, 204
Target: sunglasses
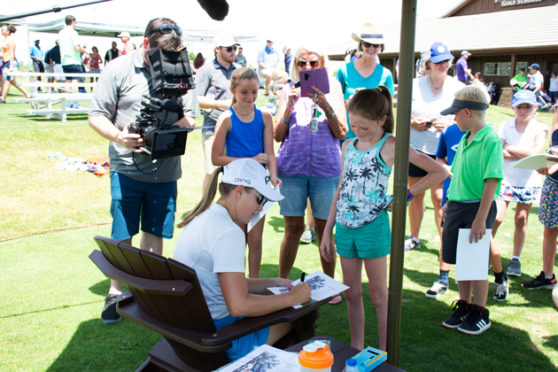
368, 45
260, 199
167, 29
304, 63
229, 48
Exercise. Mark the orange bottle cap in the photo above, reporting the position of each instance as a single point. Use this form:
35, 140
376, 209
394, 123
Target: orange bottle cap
314, 356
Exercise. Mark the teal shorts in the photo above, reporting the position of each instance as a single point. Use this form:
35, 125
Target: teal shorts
369, 241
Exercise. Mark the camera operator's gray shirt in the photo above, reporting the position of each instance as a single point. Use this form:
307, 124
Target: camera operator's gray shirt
214, 81
117, 96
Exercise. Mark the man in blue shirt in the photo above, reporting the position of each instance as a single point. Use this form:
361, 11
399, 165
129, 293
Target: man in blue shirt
268, 66
37, 56
52, 62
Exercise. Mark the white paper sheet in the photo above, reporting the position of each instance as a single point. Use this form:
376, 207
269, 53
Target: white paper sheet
323, 286
267, 205
536, 161
472, 258
265, 359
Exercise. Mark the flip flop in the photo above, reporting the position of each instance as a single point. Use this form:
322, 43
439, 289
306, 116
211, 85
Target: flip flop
336, 300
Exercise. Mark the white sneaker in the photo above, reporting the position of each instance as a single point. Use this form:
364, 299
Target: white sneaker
501, 290
307, 235
412, 243
437, 289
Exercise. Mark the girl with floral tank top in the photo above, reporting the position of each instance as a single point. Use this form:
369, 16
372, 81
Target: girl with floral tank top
359, 206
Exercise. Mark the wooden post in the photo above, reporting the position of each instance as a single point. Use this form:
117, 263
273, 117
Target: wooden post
405, 87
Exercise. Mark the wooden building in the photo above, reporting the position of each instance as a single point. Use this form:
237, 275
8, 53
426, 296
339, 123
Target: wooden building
502, 35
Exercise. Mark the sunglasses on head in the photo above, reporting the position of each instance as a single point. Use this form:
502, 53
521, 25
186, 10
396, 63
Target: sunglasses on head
229, 48
304, 63
368, 45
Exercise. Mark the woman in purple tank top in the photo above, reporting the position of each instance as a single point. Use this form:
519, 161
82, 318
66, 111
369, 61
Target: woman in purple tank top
309, 159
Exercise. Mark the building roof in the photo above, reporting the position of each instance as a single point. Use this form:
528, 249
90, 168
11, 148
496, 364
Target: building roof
520, 30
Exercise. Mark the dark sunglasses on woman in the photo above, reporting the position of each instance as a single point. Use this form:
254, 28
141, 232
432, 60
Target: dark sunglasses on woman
304, 63
368, 45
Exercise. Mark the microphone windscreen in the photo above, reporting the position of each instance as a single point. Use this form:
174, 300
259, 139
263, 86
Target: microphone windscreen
216, 9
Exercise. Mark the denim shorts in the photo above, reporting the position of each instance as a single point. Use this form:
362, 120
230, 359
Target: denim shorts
372, 240
245, 344
297, 189
152, 203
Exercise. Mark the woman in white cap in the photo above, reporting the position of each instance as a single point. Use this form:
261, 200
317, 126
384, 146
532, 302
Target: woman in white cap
213, 243
365, 72
431, 94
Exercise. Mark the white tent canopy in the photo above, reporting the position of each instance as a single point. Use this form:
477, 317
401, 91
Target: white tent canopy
83, 28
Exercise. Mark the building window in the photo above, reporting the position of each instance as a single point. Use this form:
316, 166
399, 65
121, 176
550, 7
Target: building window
497, 69
519, 65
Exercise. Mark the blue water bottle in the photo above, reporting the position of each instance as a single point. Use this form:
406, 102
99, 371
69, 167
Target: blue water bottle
351, 365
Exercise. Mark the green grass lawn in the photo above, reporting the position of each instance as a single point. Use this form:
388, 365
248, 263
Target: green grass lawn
52, 294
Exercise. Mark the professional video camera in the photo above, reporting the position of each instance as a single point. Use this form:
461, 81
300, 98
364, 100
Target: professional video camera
171, 78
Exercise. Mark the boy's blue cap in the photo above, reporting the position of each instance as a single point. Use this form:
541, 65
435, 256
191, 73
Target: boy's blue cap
535, 66
439, 52
524, 96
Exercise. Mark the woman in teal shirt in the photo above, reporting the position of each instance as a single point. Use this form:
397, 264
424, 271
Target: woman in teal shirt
365, 72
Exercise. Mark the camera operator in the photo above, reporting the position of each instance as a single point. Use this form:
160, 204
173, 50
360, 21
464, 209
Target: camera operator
141, 188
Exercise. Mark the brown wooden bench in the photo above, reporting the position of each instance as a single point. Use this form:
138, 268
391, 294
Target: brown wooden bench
165, 296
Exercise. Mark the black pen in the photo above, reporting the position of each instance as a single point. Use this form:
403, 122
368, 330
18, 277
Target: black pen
302, 277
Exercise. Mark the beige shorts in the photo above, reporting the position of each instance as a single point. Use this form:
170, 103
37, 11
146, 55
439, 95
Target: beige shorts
207, 142
273, 73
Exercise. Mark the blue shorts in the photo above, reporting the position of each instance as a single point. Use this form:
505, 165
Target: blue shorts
369, 241
153, 203
245, 344
297, 189
72, 68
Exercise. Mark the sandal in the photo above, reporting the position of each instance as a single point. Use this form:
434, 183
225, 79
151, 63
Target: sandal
336, 300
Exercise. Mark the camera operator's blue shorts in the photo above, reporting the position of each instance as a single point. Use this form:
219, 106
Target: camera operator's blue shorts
153, 203
245, 344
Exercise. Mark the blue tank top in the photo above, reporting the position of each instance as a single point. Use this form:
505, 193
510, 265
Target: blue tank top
245, 140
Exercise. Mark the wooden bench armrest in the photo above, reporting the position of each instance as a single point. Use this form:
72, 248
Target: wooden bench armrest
219, 340
129, 308
169, 287
248, 325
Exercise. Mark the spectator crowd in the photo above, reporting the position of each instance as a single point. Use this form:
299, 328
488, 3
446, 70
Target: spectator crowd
331, 172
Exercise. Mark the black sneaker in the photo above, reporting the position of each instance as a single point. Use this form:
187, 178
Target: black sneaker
477, 321
109, 314
460, 311
540, 282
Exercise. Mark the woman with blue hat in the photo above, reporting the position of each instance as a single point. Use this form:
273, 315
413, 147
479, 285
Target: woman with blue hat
431, 94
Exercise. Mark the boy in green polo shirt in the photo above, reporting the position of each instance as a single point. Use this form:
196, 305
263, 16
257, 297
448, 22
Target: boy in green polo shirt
477, 173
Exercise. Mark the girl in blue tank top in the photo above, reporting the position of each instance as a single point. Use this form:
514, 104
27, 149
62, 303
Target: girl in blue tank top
243, 131
358, 209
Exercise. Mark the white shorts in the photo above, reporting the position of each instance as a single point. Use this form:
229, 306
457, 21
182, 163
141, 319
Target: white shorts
207, 142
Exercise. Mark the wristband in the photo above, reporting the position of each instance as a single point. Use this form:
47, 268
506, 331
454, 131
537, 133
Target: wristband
410, 196
331, 113
284, 122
